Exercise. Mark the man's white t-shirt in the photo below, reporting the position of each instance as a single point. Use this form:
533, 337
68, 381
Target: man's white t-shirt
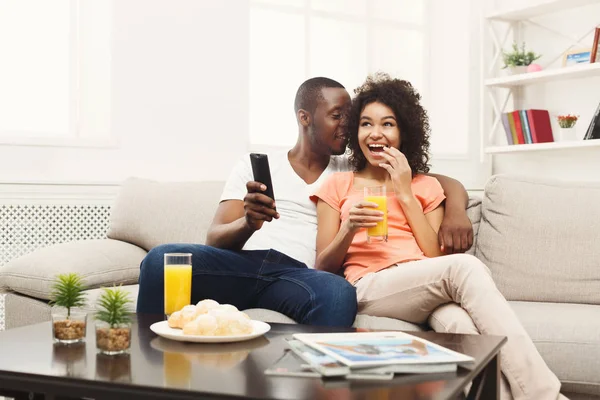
295, 232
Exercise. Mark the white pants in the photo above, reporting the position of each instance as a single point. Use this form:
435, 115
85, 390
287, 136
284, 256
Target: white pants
414, 291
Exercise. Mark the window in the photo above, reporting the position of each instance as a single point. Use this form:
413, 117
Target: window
55, 71
345, 40
429, 43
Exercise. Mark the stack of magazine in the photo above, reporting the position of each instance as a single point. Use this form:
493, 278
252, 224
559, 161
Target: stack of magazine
364, 355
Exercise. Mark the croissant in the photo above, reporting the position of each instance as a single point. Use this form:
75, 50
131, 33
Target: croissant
188, 314
204, 325
205, 306
209, 318
175, 321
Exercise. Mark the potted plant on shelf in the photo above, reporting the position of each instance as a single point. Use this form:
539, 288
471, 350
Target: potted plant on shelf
113, 324
68, 325
567, 127
518, 59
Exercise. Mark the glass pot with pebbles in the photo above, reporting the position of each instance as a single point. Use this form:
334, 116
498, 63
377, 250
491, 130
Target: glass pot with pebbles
68, 322
113, 322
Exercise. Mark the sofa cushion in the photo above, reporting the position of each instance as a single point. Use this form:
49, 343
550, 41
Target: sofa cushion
149, 213
22, 311
362, 321
100, 262
384, 323
540, 239
567, 337
262, 314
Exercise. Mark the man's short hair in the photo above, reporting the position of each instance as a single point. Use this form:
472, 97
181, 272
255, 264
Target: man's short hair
310, 92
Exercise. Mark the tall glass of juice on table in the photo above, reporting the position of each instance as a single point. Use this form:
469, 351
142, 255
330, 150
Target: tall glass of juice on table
378, 233
178, 281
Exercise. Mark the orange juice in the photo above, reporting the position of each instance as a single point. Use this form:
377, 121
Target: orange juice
178, 287
381, 230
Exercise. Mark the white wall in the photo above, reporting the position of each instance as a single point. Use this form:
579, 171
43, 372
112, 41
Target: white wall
179, 98
578, 96
455, 91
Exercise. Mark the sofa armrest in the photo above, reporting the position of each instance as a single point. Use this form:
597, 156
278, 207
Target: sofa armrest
100, 262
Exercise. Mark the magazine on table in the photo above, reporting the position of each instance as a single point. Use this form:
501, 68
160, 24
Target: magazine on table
329, 366
377, 349
290, 365
304, 361
317, 360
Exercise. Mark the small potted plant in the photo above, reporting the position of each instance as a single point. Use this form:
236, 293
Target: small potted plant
113, 324
68, 325
518, 59
567, 127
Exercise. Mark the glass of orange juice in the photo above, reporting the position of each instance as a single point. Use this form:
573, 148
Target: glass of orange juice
379, 233
178, 281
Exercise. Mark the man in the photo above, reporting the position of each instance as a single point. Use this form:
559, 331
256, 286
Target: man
259, 253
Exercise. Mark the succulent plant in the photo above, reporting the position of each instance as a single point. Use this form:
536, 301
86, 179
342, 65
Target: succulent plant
113, 307
67, 292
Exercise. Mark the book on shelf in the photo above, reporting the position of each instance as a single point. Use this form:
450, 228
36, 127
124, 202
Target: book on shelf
527, 126
595, 57
518, 127
593, 131
398, 351
511, 124
507, 130
540, 126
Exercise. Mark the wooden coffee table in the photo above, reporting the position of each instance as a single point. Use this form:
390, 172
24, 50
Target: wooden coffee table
157, 368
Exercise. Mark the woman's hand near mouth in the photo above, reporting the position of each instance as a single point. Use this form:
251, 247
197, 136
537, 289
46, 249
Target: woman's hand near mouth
397, 166
424, 230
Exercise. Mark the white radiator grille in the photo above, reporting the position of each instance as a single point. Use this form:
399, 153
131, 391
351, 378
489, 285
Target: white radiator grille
2, 311
27, 227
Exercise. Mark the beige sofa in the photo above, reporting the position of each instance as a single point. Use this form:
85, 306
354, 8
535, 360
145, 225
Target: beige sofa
541, 241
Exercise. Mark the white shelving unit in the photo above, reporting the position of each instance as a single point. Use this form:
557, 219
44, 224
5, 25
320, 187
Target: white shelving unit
491, 108
539, 9
543, 146
573, 72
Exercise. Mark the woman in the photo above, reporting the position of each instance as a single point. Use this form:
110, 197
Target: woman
407, 277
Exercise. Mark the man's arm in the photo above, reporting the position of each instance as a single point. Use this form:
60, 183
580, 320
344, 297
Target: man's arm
236, 220
456, 232
228, 229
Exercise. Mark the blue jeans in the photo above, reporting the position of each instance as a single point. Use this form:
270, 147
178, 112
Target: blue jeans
253, 279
